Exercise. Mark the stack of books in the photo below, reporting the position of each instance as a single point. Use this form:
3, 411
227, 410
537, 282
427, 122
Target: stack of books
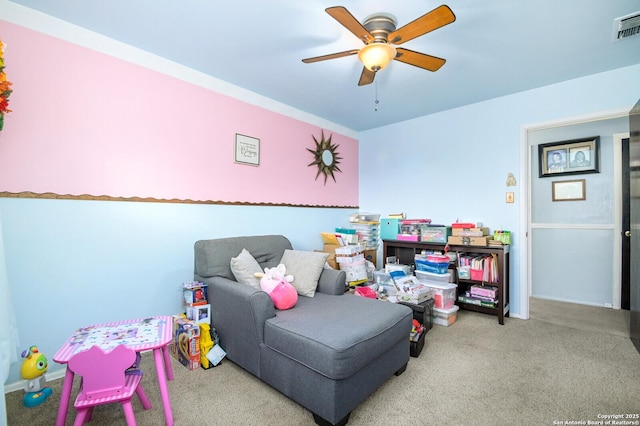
486, 296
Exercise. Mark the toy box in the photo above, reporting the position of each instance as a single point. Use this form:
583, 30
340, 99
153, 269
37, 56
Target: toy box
194, 294
186, 342
200, 314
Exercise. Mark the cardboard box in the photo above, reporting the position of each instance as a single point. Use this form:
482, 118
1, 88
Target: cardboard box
469, 241
470, 232
371, 255
331, 260
186, 342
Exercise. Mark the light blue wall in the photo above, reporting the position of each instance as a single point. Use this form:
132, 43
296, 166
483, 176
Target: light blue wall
74, 263
586, 276
454, 164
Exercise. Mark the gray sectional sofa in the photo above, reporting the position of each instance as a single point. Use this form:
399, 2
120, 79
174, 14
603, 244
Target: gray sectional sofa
328, 353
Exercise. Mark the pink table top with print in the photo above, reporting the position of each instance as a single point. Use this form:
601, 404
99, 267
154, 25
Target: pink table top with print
151, 333
138, 334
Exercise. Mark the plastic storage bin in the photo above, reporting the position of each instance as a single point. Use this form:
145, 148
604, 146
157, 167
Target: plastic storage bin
445, 317
444, 294
424, 276
433, 267
422, 312
416, 347
464, 272
435, 234
384, 282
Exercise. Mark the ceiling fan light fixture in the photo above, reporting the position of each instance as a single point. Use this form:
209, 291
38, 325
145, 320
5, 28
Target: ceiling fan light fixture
376, 56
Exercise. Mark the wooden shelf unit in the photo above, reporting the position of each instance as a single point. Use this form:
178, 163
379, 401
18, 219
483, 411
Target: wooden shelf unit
405, 252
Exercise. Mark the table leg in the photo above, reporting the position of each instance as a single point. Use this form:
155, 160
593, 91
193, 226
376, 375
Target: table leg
167, 362
64, 397
162, 383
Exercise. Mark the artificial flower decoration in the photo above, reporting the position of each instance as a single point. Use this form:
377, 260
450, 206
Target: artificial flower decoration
5, 88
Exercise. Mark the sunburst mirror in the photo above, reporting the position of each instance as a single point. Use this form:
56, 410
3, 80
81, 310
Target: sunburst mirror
326, 158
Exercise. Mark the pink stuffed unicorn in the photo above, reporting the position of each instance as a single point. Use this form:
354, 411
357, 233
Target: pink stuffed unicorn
278, 286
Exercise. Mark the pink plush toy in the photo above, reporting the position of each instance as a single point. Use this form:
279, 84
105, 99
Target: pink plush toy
278, 286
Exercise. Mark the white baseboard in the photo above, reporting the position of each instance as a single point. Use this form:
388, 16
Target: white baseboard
12, 387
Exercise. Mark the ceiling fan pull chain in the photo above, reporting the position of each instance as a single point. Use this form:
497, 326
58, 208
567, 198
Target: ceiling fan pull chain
375, 108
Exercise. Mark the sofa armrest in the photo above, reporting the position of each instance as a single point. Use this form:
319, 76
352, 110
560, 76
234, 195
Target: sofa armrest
332, 281
238, 313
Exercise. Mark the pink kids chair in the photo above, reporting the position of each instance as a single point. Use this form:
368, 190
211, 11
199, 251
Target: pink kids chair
105, 380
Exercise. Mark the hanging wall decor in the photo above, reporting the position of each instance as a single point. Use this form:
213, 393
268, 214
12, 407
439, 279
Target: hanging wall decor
572, 157
326, 158
247, 150
5, 88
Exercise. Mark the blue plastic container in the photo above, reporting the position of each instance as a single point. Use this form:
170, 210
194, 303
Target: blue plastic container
434, 268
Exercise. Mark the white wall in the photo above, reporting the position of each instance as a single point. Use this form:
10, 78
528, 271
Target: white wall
454, 164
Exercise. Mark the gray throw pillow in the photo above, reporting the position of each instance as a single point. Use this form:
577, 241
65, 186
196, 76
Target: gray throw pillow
306, 267
244, 267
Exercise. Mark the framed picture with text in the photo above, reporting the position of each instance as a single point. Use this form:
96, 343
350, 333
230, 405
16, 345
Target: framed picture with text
568, 190
247, 150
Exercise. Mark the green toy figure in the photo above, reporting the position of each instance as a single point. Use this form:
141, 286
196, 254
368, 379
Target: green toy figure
33, 368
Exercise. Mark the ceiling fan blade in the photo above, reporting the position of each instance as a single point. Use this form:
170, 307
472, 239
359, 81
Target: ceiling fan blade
438, 17
330, 56
420, 60
347, 20
366, 77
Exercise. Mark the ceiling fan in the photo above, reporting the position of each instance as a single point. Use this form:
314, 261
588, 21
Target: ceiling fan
379, 34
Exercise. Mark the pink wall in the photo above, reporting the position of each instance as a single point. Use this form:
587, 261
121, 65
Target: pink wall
87, 123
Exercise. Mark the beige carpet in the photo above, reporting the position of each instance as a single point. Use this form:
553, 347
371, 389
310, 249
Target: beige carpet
475, 372
581, 317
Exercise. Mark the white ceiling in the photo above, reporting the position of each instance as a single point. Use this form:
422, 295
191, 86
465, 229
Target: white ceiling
494, 48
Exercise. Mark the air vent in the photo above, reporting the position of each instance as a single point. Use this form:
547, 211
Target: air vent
626, 27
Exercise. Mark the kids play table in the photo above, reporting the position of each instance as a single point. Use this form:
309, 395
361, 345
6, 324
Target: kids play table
142, 334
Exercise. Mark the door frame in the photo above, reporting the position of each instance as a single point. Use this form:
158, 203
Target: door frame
527, 174
617, 211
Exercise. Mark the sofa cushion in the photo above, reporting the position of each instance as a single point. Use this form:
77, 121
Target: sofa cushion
306, 267
213, 257
244, 267
337, 335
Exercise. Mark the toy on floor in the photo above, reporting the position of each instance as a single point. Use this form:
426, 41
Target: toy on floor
33, 368
206, 343
278, 286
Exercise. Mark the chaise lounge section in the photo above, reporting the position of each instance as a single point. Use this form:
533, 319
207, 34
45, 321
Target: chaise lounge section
328, 353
